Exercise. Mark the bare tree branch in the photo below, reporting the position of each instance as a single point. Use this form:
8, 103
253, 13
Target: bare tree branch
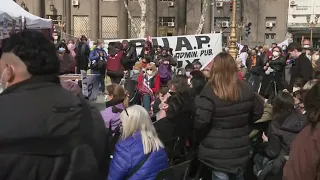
203, 16
143, 27
135, 27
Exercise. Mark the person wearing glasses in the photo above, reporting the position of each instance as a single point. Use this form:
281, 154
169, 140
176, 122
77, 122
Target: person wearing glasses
139, 154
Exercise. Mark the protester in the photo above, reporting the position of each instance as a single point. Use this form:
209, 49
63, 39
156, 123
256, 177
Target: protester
67, 62
54, 129
255, 66
115, 68
139, 154
302, 67
224, 111
117, 100
304, 157
147, 52
130, 53
315, 60
150, 80
164, 64
272, 81
71, 48
83, 53
98, 58
243, 57
286, 123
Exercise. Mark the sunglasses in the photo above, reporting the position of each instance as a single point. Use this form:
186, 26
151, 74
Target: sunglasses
149, 69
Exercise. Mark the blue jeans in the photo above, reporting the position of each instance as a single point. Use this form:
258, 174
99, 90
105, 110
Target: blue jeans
101, 80
216, 175
146, 101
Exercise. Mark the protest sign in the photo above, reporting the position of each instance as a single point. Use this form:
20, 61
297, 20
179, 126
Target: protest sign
90, 85
202, 47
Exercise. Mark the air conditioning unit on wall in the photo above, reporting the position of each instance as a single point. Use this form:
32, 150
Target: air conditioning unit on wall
219, 4
269, 24
225, 24
171, 4
75, 2
171, 24
293, 3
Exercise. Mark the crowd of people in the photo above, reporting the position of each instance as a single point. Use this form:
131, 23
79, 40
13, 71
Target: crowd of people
212, 123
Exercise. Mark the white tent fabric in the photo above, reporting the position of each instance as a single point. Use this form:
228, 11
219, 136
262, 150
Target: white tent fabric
15, 11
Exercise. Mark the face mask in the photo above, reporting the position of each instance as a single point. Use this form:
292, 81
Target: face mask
188, 74
275, 54
149, 72
284, 48
306, 46
62, 49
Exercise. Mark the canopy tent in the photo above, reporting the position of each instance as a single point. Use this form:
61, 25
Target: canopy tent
15, 11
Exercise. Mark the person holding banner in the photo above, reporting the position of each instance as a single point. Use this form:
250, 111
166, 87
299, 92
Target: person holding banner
46, 130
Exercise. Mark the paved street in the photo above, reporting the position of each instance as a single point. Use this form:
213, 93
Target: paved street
99, 103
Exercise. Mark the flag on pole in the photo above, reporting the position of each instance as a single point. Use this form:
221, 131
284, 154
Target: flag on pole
145, 89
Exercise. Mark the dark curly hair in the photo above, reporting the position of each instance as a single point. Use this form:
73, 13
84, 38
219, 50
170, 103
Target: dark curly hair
312, 105
35, 50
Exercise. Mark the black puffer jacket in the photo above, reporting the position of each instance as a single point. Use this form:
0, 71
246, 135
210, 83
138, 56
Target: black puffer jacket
222, 127
282, 134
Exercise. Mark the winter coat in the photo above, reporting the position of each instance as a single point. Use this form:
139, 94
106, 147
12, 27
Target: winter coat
67, 63
281, 134
169, 58
131, 58
82, 57
112, 117
97, 62
154, 82
301, 68
45, 139
129, 153
304, 157
222, 127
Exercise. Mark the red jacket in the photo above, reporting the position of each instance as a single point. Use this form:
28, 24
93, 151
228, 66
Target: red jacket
240, 76
155, 85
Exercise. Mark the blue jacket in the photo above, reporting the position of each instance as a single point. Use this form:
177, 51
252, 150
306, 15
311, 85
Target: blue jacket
95, 55
129, 153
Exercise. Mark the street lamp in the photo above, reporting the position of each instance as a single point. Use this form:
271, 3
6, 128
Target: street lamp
233, 33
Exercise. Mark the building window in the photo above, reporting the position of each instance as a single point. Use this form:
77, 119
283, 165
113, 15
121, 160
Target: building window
166, 0
109, 0
271, 22
55, 18
81, 26
167, 21
223, 22
109, 27
134, 26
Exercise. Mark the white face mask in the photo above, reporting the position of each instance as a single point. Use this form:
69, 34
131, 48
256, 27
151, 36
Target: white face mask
136, 71
275, 54
188, 74
284, 48
149, 72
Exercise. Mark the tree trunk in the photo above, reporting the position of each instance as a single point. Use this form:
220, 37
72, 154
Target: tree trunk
205, 4
134, 24
143, 6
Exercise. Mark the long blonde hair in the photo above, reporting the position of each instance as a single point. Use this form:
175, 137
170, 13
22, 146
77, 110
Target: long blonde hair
136, 119
224, 77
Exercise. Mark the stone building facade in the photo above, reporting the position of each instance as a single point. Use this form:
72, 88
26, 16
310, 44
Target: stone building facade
109, 19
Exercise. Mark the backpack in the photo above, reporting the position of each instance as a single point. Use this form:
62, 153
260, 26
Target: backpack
164, 70
114, 62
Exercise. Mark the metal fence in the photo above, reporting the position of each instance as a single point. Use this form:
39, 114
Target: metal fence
109, 27
134, 25
81, 26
